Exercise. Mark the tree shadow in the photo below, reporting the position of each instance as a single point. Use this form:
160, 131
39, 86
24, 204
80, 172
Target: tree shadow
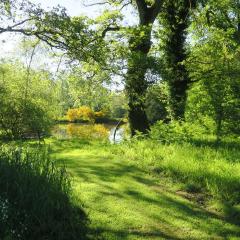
61, 145
230, 145
124, 181
117, 234
188, 212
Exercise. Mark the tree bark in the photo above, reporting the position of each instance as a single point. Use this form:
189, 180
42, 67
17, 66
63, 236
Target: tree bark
136, 84
176, 23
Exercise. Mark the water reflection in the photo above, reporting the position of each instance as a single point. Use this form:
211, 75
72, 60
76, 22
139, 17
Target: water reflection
118, 136
88, 131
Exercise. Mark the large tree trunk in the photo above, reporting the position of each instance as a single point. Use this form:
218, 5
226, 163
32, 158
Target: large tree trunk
136, 84
176, 20
178, 86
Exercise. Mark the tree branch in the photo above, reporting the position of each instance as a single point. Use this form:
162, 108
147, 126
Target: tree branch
156, 8
108, 29
148, 14
126, 4
94, 4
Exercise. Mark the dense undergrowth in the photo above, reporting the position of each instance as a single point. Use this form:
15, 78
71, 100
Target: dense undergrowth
36, 200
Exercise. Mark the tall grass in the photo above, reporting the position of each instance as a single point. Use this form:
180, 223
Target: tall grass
35, 199
201, 168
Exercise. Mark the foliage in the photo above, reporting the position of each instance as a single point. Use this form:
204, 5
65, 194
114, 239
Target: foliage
72, 114
157, 105
86, 114
175, 131
89, 86
214, 65
36, 199
85, 87
83, 113
28, 103
20, 119
118, 105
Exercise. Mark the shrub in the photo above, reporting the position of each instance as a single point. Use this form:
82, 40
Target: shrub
27, 105
174, 131
100, 114
21, 119
35, 198
72, 114
83, 113
86, 113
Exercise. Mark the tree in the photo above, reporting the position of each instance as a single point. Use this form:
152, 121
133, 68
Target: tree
175, 21
87, 85
214, 66
138, 60
22, 116
139, 45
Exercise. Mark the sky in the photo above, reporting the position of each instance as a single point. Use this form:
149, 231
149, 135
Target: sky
74, 7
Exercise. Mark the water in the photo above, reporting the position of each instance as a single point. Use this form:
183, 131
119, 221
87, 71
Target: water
118, 136
88, 131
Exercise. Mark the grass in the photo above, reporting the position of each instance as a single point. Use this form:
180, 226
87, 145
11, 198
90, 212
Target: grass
124, 200
201, 167
36, 199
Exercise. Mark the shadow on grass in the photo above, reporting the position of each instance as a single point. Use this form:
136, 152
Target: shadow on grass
120, 180
229, 145
35, 198
118, 234
64, 144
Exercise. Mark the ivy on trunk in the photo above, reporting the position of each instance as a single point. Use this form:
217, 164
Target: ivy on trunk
175, 20
136, 84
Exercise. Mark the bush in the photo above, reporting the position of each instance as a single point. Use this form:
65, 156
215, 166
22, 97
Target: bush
174, 131
29, 102
72, 115
83, 113
21, 119
35, 198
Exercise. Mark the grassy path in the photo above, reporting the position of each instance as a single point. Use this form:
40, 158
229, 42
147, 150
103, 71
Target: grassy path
124, 202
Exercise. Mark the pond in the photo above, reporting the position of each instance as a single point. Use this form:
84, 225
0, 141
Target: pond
88, 131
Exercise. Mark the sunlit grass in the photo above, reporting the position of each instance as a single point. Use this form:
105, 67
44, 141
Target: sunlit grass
125, 200
201, 168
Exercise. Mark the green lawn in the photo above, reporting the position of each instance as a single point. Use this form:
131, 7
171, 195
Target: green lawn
125, 202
